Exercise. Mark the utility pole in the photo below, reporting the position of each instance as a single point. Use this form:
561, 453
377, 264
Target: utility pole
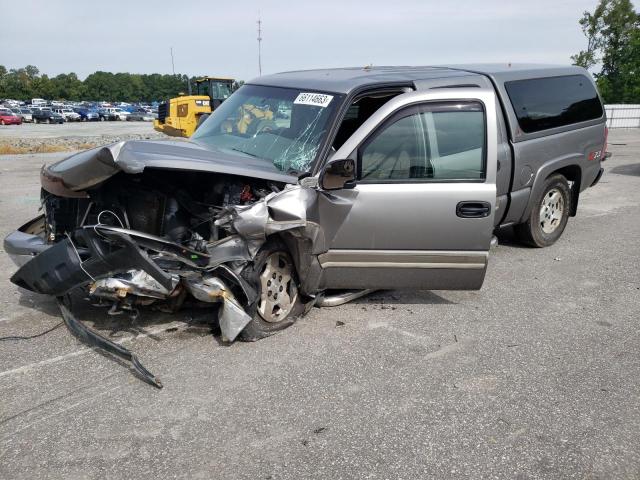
173, 68
259, 45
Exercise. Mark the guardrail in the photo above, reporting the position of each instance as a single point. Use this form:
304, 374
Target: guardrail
623, 116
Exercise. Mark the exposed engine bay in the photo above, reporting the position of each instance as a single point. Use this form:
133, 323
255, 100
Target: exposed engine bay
131, 238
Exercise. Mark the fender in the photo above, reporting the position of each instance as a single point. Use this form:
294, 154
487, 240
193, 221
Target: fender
544, 172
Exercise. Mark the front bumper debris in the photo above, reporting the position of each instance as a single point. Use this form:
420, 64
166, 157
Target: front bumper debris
114, 263
93, 339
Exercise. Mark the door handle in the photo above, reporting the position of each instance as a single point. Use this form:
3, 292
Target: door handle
472, 209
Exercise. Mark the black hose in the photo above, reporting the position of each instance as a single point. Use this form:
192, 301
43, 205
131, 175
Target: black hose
15, 337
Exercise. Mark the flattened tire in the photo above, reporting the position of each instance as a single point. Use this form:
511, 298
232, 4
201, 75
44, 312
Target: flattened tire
272, 273
549, 214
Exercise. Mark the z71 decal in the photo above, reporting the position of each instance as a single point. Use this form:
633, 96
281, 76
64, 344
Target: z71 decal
595, 155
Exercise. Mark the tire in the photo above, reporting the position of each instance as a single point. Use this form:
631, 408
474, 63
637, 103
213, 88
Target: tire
271, 316
49, 121
549, 214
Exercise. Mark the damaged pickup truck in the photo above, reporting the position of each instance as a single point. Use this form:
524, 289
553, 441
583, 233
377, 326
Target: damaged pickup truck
305, 182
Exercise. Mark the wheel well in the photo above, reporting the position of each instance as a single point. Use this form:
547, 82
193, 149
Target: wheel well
573, 173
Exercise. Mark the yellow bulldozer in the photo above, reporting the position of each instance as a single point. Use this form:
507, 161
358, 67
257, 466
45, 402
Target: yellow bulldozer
180, 116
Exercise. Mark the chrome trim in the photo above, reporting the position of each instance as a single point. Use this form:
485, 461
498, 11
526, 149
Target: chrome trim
403, 259
341, 298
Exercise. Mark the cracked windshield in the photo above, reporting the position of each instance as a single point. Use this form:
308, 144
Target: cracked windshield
280, 125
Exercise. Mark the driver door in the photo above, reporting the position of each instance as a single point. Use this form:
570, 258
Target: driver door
424, 197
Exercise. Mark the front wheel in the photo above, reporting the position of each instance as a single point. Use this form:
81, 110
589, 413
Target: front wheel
549, 215
279, 302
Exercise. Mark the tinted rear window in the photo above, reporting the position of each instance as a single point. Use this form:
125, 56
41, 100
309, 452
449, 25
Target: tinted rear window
543, 103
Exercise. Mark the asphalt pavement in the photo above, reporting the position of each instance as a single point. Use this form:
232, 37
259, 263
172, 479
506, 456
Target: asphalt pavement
534, 376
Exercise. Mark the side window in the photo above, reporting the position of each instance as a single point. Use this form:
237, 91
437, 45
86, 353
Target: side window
543, 103
358, 113
431, 142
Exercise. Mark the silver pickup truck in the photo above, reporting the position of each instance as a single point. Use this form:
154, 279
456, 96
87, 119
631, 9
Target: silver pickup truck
309, 181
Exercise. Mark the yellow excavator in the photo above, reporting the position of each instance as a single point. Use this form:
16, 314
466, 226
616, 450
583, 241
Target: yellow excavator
179, 117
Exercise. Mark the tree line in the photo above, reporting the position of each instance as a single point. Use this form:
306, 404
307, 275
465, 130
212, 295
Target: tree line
613, 50
27, 83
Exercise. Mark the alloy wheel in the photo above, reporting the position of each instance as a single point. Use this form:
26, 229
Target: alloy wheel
279, 291
551, 210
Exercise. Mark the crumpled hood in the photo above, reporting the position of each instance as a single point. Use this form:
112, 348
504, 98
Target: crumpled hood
91, 167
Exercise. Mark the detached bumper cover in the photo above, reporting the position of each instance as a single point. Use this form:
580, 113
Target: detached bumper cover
93, 339
61, 268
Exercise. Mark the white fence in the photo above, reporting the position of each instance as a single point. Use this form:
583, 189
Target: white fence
623, 116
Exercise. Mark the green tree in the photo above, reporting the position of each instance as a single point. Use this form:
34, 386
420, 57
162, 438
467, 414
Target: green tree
3, 75
26, 83
67, 86
630, 70
611, 32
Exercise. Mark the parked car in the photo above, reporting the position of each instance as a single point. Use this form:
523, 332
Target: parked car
70, 115
120, 113
47, 116
87, 114
140, 116
66, 113
17, 111
112, 113
7, 117
379, 178
103, 114
26, 114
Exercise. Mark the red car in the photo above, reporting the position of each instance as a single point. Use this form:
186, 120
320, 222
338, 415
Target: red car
8, 118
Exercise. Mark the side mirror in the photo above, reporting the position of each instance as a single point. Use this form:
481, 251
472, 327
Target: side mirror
339, 174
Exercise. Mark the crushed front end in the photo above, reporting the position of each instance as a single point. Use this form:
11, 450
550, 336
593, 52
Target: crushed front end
150, 238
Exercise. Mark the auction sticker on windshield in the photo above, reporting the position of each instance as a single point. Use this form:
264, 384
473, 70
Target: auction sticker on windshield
315, 99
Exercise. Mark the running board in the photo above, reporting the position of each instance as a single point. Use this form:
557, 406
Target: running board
341, 298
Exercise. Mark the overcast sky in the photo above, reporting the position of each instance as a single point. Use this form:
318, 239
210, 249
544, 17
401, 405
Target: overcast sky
219, 37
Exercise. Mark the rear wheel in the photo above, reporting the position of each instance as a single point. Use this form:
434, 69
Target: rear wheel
49, 121
549, 215
279, 302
